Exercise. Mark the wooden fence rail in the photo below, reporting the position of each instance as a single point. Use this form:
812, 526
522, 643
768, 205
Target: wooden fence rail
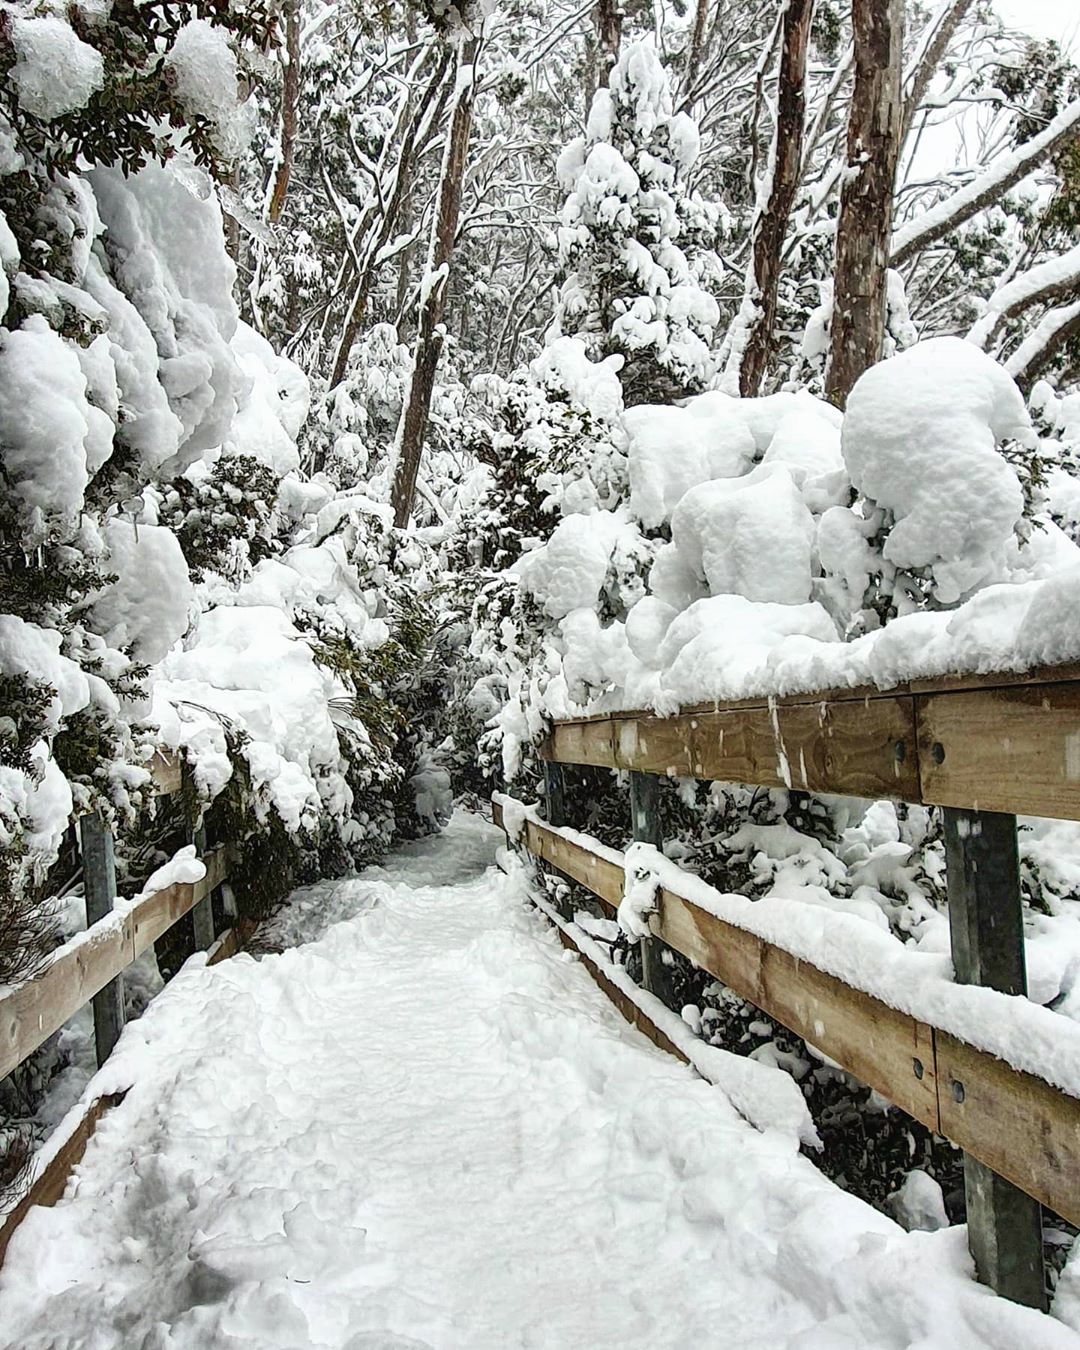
1007, 743
984, 748
90, 966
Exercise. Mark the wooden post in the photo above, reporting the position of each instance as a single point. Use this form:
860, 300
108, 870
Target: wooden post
987, 933
202, 916
645, 826
99, 888
555, 810
554, 794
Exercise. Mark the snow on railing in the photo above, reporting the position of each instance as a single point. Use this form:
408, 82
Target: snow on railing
951, 1041
90, 966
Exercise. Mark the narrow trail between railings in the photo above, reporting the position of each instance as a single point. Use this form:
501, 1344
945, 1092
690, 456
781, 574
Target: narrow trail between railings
422, 1125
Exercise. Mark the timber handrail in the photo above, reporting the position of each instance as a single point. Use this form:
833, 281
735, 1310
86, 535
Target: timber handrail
80, 969
912, 1063
1005, 742
985, 748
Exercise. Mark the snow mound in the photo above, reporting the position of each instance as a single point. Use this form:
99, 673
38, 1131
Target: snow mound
920, 439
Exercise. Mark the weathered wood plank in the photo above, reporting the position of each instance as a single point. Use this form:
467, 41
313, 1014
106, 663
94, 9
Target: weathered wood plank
855, 748
1009, 750
581, 743
1011, 747
157, 914
709, 942
51, 1184
32, 1011
1017, 1124
872, 1041
603, 878
888, 1050
657, 745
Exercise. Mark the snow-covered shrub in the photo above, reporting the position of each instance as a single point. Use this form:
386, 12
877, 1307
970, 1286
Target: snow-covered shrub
168, 579
555, 453
110, 85
938, 504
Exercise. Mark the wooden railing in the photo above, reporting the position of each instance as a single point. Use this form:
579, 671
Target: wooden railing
90, 966
1006, 743
983, 748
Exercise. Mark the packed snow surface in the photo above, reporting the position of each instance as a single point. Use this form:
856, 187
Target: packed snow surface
426, 1127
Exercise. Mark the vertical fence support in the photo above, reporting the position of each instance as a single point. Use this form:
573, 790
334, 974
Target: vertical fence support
99, 888
555, 810
645, 827
554, 793
202, 915
987, 933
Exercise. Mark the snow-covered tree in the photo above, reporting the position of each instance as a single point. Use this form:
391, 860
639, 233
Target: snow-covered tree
637, 246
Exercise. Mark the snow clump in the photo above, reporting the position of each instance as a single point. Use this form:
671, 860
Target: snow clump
204, 72
55, 71
920, 440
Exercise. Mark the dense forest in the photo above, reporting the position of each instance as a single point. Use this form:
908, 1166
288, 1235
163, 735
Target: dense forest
378, 383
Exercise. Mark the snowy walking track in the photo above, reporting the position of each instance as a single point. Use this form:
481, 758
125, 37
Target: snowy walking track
425, 1126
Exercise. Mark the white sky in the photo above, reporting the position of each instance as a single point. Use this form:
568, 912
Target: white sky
1058, 19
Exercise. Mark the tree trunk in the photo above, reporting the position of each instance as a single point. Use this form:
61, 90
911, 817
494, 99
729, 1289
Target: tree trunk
430, 333
864, 227
607, 20
290, 103
697, 44
771, 225
408, 255
379, 233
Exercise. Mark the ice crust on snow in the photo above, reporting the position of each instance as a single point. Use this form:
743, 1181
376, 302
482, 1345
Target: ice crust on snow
491, 1097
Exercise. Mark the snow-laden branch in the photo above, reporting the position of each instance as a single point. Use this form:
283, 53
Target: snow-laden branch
1004, 173
1041, 344
1049, 280
933, 44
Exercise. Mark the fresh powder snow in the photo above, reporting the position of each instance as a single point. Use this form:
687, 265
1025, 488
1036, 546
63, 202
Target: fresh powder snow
422, 1125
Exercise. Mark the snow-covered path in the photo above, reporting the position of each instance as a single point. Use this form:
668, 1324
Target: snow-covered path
427, 1127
